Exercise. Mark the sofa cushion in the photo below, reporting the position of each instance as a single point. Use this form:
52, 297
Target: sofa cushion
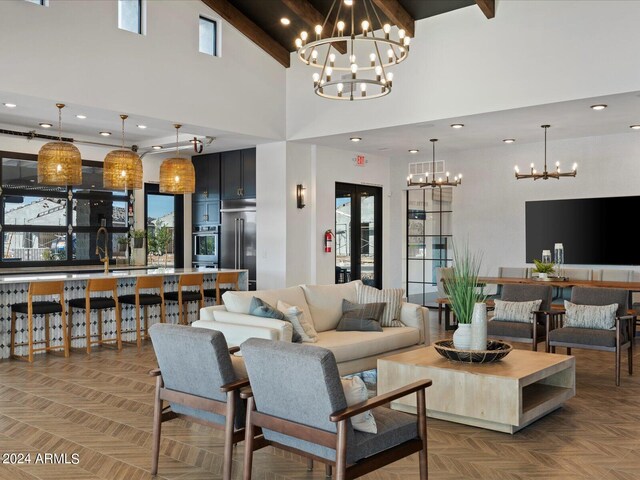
301, 324
361, 317
391, 296
284, 329
239, 302
348, 346
325, 302
516, 311
355, 391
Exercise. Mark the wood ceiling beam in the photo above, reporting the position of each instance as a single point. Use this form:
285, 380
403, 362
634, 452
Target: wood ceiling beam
312, 17
488, 7
397, 14
249, 29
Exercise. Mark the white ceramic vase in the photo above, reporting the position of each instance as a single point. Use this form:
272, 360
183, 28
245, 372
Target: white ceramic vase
479, 327
462, 336
543, 276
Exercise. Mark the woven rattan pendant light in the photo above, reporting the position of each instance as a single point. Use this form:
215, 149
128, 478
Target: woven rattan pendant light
177, 174
122, 168
59, 163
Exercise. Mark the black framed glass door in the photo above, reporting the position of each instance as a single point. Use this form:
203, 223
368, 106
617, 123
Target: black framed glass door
358, 234
164, 224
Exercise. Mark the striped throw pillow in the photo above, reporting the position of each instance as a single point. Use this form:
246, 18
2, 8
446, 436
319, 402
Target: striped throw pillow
391, 296
516, 311
601, 317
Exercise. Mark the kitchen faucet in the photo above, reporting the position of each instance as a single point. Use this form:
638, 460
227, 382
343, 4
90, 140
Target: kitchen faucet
105, 250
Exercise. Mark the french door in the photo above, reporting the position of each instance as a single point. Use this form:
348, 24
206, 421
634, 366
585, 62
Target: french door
358, 234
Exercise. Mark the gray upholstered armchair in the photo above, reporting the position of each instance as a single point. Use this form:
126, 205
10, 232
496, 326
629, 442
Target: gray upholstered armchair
534, 332
298, 401
616, 340
201, 381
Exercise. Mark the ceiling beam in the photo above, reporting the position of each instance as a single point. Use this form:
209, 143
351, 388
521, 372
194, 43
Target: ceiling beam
312, 17
397, 14
249, 29
488, 7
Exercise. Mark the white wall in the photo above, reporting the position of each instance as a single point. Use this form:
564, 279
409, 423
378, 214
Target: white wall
533, 52
489, 207
73, 51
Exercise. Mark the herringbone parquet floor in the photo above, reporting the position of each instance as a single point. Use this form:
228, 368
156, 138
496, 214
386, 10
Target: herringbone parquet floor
99, 407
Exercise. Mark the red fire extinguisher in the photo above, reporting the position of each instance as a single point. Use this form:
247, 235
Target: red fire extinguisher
328, 241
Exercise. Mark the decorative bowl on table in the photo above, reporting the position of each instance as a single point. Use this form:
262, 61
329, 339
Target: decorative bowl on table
495, 351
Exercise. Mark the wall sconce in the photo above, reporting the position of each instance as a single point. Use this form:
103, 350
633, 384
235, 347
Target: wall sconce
300, 195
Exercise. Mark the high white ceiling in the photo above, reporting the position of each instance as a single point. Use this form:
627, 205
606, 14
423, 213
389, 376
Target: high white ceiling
573, 119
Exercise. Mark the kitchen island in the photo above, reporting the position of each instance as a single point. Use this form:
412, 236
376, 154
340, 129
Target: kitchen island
14, 285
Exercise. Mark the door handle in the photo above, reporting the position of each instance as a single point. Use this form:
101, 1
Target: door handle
235, 248
241, 249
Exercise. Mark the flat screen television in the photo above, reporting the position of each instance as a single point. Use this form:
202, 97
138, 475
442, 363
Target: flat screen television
593, 231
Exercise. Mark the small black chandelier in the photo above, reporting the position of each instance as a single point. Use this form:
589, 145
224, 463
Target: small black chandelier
424, 181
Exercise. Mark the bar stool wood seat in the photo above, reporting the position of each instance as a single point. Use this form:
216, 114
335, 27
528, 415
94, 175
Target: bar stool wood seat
43, 307
223, 278
183, 297
89, 303
144, 300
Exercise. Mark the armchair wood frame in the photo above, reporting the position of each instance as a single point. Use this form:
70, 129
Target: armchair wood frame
37, 289
623, 322
542, 319
338, 440
227, 409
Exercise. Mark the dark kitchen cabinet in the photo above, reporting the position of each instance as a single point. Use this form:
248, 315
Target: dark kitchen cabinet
206, 212
207, 177
238, 174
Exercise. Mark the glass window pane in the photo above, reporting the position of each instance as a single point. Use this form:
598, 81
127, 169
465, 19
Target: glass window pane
160, 229
207, 36
35, 246
91, 213
20, 173
37, 2
343, 236
22, 210
129, 12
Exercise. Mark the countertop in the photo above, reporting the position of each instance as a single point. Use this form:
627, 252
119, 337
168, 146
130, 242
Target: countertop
40, 276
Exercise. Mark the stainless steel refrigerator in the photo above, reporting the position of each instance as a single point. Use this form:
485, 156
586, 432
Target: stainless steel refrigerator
238, 237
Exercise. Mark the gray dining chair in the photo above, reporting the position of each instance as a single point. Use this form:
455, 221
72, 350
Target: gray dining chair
564, 293
596, 339
534, 332
303, 410
201, 381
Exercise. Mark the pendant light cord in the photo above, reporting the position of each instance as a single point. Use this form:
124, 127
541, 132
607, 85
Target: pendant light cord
59, 122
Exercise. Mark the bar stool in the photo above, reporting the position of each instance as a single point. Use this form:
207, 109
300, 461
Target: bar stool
145, 300
31, 308
89, 303
223, 278
188, 280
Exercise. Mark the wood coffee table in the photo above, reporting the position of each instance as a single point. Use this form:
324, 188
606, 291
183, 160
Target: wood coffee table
505, 396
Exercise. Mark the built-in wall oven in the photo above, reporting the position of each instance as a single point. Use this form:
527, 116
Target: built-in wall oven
206, 241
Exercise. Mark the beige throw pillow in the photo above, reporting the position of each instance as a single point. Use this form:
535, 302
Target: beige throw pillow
299, 321
391, 296
355, 391
516, 311
601, 317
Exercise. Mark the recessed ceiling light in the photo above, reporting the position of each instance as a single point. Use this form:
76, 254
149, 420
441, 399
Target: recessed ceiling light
10, 105
635, 127
285, 21
509, 140
414, 150
46, 125
348, 3
105, 134
142, 126
355, 139
157, 147
81, 117
457, 125
600, 106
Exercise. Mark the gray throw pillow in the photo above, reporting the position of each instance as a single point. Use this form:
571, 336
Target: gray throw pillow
361, 317
260, 308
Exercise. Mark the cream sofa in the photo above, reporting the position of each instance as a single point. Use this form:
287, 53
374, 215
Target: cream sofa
354, 351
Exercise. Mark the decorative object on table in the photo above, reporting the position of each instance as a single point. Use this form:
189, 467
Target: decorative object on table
558, 258
543, 269
59, 163
479, 327
122, 168
333, 52
138, 238
546, 175
546, 256
423, 181
177, 174
464, 292
494, 351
